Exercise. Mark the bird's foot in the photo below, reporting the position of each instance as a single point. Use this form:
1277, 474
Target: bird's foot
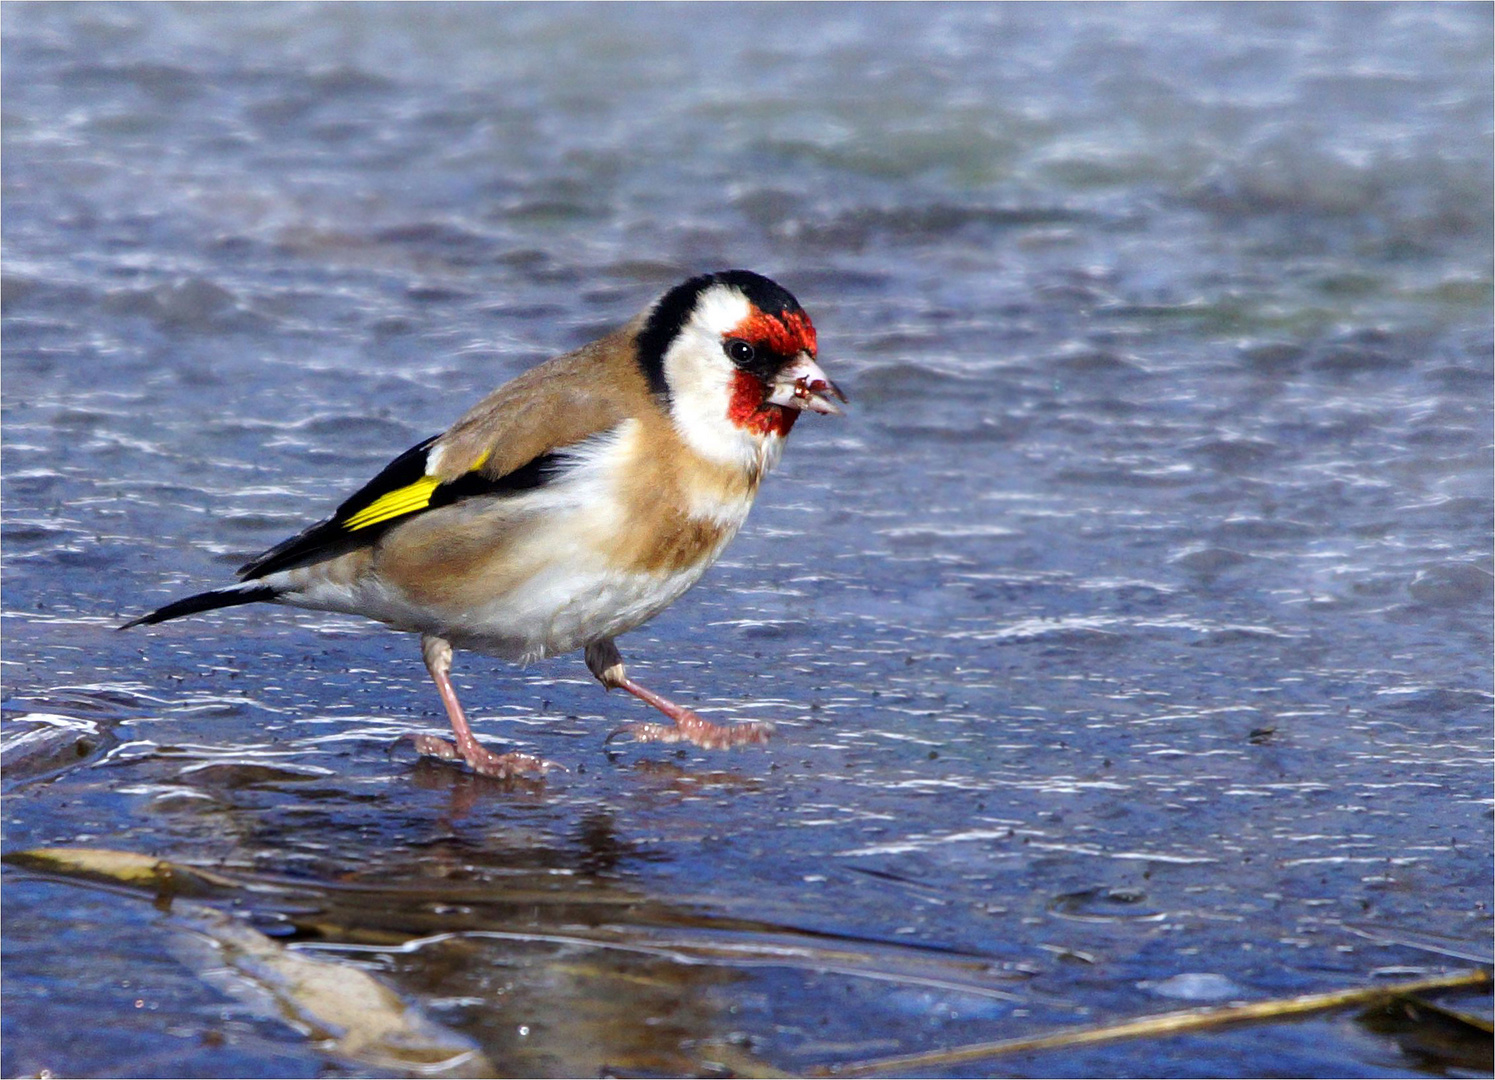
482, 760
687, 726
691, 728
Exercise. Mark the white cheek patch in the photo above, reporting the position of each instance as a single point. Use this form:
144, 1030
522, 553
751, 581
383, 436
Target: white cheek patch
700, 379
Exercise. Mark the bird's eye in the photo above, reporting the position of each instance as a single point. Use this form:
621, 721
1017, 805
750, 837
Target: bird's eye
740, 351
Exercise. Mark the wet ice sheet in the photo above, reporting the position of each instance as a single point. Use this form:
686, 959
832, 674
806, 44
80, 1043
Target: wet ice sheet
1134, 625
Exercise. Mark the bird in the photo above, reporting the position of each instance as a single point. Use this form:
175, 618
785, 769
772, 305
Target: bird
572, 504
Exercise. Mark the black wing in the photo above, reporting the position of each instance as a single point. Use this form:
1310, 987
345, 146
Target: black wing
401, 490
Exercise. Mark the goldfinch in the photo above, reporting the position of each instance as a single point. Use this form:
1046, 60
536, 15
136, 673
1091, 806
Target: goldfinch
570, 505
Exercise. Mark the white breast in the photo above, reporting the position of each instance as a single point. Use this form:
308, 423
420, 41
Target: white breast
569, 605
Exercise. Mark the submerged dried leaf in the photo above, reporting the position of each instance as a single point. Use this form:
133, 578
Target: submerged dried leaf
127, 868
355, 1015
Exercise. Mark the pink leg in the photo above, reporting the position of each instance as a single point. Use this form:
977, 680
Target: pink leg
438, 655
607, 664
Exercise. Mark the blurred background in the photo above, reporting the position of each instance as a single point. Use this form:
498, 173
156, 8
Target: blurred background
1129, 640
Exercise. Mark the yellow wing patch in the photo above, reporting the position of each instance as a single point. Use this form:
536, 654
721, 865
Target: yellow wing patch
397, 503
401, 501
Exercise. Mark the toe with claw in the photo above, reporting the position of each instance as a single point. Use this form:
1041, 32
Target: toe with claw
484, 761
693, 729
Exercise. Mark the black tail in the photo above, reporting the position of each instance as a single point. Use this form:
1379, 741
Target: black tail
191, 605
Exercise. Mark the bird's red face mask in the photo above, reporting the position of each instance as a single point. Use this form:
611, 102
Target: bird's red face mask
770, 404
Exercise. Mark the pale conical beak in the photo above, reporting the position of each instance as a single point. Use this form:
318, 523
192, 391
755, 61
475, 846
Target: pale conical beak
802, 385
